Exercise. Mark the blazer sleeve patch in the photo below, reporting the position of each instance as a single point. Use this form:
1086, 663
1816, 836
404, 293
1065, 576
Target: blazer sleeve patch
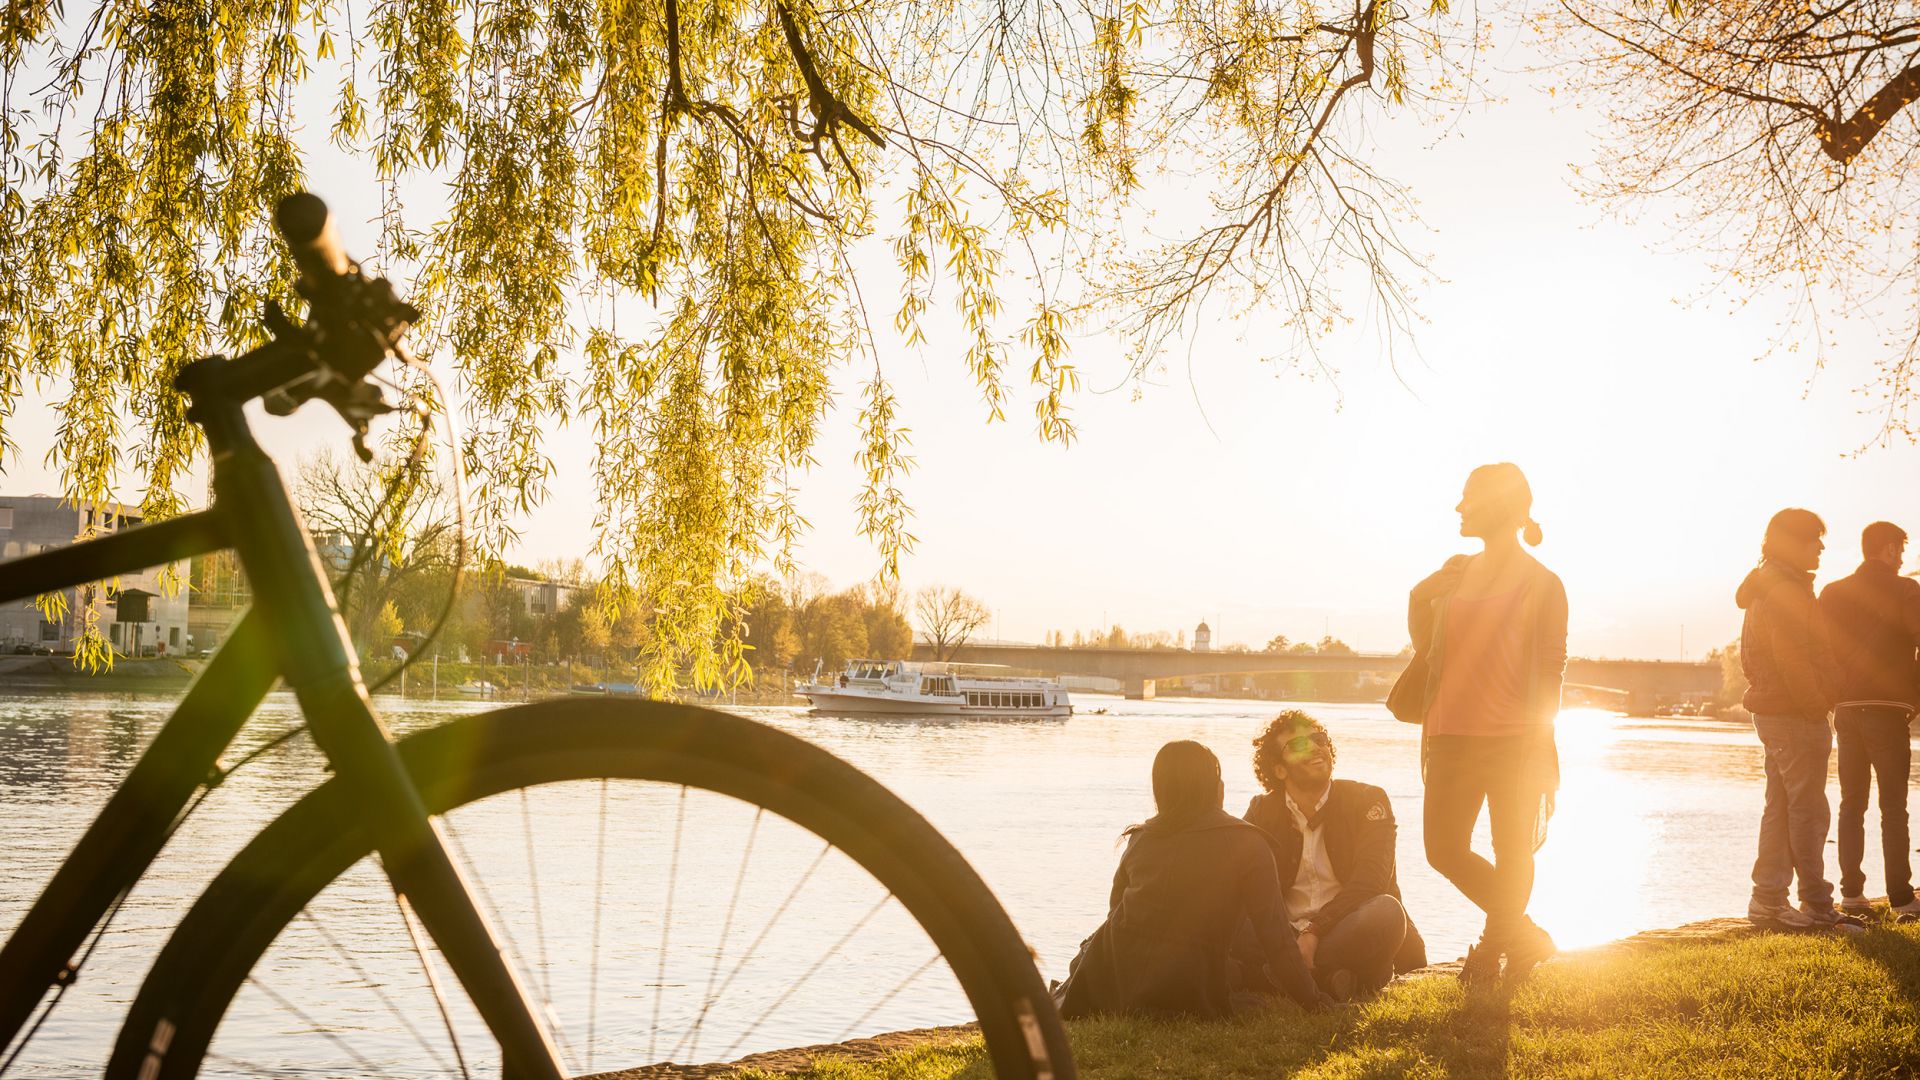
1377, 812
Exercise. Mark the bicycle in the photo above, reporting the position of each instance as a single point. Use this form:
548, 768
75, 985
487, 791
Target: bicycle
392, 802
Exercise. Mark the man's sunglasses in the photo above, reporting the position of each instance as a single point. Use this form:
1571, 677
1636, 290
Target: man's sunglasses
1301, 745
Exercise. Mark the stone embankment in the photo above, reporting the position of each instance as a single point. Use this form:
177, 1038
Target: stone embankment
57, 673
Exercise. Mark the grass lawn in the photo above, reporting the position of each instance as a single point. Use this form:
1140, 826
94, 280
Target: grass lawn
1746, 1005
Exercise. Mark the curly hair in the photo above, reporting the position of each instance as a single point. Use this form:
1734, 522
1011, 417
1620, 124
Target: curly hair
1267, 745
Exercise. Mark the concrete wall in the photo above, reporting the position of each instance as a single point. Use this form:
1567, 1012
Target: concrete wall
30, 524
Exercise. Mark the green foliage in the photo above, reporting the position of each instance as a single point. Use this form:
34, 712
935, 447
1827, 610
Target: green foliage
642, 216
796, 623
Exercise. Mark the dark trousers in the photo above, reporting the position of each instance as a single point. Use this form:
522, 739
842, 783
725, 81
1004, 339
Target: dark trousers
1464, 773
1874, 749
1364, 943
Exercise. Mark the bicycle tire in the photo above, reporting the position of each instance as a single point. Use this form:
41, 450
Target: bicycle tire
206, 960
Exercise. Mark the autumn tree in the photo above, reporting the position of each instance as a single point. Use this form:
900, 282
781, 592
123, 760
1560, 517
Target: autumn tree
645, 219
389, 535
948, 618
1788, 129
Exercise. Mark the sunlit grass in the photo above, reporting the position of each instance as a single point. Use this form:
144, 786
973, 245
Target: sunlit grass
1752, 1005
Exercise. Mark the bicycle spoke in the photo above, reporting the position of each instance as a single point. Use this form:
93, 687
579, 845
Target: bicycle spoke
372, 984
891, 994
533, 882
754, 948
593, 955
359, 1059
726, 929
666, 924
433, 983
509, 942
794, 986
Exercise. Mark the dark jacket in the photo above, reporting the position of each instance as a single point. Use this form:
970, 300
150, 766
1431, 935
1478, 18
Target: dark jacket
1873, 625
1178, 897
1360, 835
1544, 607
1783, 645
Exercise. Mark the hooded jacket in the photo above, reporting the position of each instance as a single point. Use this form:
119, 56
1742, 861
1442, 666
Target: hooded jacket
1178, 897
1360, 836
1783, 645
1873, 624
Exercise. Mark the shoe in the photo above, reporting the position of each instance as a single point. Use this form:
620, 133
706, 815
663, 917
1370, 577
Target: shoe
1782, 917
1482, 965
1906, 912
1530, 946
1832, 918
1340, 985
1858, 905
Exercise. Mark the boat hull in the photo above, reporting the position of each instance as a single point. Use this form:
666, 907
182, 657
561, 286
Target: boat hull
845, 704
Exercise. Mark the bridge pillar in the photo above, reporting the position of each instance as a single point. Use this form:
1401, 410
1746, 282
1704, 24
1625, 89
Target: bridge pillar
1139, 689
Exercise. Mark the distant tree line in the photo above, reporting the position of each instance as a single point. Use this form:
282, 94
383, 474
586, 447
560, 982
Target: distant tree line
798, 623
1118, 637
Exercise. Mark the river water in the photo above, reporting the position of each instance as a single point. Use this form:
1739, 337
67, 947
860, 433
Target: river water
1655, 827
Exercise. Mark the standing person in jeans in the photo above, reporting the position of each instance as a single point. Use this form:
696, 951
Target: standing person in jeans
1334, 847
1784, 650
1873, 619
1492, 631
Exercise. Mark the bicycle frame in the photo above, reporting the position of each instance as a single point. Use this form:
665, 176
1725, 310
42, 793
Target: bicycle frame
293, 630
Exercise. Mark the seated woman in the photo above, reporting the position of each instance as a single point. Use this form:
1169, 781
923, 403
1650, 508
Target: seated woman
1191, 874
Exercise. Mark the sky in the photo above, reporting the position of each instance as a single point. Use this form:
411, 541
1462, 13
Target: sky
1656, 422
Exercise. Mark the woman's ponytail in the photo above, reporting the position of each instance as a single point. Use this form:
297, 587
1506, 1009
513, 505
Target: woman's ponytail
1533, 535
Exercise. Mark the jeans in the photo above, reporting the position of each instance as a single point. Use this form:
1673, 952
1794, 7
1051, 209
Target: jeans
1465, 772
1793, 827
1873, 744
1363, 943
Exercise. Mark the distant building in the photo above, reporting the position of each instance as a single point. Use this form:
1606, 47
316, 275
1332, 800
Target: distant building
144, 616
536, 597
220, 594
1202, 638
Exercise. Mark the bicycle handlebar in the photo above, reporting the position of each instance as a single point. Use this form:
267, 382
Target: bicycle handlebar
308, 229
353, 323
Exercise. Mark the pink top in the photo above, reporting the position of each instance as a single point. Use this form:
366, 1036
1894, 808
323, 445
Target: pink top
1483, 684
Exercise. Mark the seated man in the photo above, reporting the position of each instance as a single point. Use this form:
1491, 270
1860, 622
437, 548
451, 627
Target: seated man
1334, 849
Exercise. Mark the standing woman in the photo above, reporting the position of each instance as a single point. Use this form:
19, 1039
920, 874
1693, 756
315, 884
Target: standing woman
1492, 630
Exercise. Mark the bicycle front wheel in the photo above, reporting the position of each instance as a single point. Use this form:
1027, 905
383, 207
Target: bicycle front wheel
674, 883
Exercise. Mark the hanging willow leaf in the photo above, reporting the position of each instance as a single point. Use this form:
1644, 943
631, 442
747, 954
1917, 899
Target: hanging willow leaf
642, 217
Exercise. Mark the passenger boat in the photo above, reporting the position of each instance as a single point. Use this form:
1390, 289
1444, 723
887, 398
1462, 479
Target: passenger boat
898, 688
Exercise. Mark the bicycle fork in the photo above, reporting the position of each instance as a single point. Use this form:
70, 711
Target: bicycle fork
317, 658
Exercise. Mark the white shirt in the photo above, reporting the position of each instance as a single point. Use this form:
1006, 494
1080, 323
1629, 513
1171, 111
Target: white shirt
1313, 884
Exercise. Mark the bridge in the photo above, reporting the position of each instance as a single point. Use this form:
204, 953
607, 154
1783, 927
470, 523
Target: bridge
1642, 683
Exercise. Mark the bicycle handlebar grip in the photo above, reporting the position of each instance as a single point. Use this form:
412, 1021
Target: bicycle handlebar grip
311, 237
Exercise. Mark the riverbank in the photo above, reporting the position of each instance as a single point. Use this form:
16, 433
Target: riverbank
1717, 998
510, 683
